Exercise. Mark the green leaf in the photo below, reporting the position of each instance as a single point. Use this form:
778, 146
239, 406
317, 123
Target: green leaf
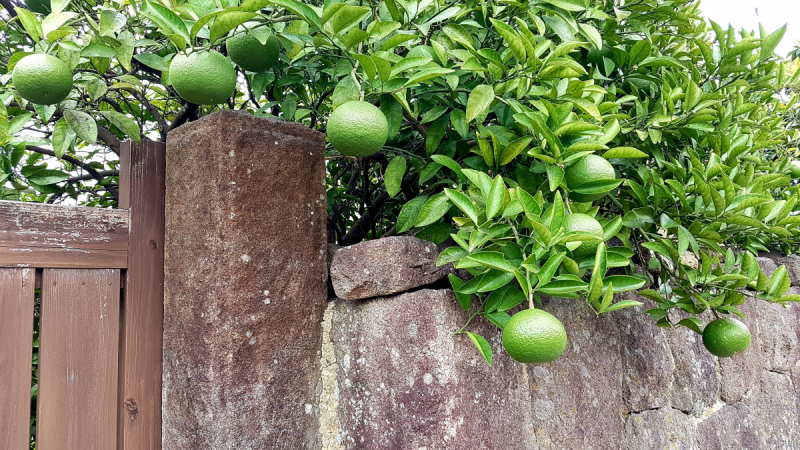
639, 51
301, 10
638, 217
499, 318
459, 34
624, 283
168, 21
482, 345
592, 35
624, 152
436, 132
693, 95
692, 323
494, 279
494, 260
434, 209
569, 5
393, 111
63, 137
427, 74
622, 304
769, 42
226, 22
607, 298
346, 90
82, 124
436, 232
347, 16
562, 287
550, 267
448, 162
510, 36
612, 228
463, 203
46, 177
479, 101
513, 149
496, 197
779, 283
393, 178
125, 124
463, 299
408, 214
554, 175
30, 23
152, 60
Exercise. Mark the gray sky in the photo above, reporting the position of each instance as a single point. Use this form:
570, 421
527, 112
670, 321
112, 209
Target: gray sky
773, 14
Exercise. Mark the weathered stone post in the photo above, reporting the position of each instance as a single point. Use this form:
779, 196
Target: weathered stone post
245, 284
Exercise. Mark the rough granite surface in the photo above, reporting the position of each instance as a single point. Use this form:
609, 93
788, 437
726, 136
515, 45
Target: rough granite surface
405, 381
245, 284
385, 266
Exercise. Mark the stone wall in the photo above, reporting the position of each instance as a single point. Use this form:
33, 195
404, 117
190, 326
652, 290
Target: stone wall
395, 375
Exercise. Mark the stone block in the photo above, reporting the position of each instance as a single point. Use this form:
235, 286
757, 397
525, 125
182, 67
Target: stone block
245, 284
407, 382
696, 381
732, 427
741, 373
665, 429
384, 267
646, 361
576, 400
774, 404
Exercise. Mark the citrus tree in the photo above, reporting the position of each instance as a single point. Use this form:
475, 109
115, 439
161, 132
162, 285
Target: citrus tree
573, 148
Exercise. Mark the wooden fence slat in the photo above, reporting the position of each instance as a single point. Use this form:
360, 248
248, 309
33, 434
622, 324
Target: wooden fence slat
78, 360
142, 188
16, 339
38, 235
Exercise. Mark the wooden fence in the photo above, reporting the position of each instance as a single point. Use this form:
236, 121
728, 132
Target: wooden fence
101, 275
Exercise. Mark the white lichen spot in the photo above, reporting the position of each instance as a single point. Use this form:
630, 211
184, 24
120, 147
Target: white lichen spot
252, 340
245, 258
232, 215
266, 292
253, 317
275, 361
412, 329
266, 301
249, 334
543, 409
427, 378
230, 356
309, 408
232, 154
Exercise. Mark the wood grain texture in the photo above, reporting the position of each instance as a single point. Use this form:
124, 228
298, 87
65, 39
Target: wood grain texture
78, 360
16, 339
37, 235
142, 188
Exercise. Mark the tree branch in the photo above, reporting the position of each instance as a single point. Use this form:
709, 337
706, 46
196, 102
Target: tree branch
92, 172
88, 176
9, 5
183, 116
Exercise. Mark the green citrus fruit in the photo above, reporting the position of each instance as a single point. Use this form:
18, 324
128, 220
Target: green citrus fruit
589, 169
38, 6
203, 78
534, 336
42, 79
726, 337
794, 167
357, 128
585, 223
249, 54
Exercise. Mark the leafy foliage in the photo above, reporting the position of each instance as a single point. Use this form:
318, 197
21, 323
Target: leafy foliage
489, 104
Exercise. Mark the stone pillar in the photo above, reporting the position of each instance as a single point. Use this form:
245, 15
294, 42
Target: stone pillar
245, 284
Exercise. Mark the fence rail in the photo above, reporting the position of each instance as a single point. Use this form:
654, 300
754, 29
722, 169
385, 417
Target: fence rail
101, 277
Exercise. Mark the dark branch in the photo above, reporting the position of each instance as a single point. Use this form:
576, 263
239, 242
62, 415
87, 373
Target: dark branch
91, 171
88, 176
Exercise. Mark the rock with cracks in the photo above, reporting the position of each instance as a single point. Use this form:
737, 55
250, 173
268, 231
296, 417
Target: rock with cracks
384, 267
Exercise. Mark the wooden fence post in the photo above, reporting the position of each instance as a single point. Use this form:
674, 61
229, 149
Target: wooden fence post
142, 313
